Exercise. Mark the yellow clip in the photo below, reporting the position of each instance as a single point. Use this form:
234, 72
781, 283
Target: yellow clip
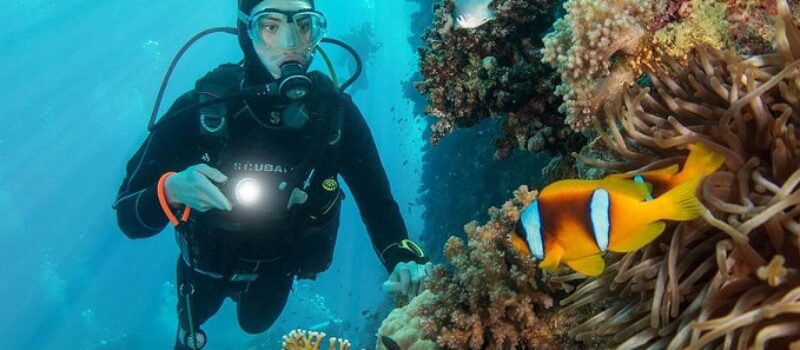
409, 245
330, 185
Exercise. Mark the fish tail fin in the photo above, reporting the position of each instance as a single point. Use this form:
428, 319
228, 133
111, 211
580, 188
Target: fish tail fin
702, 161
678, 204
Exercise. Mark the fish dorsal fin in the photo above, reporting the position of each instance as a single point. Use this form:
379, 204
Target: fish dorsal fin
612, 184
552, 258
629, 188
663, 172
569, 185
702, 160
638, 239
592, 265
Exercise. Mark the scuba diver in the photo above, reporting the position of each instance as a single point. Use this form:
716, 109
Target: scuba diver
245, 167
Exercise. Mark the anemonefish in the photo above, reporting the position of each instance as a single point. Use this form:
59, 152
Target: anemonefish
576, 221
702, 161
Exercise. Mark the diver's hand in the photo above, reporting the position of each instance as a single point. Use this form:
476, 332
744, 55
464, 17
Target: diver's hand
408, 278
193, 187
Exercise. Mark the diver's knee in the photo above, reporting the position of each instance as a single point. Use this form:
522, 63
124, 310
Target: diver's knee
256, 323
256, 326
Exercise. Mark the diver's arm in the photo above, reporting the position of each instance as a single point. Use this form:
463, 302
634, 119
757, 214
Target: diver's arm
139, 214
363, 171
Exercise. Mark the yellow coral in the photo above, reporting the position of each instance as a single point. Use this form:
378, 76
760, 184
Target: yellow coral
646, 58
706, 26
304, 340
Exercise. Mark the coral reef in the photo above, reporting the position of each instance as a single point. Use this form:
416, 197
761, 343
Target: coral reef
731, 280
601, 47
470, 75
581, 46
460, 180
703, 22
403, 326
752, 23
597, 49
490, 300
304, 340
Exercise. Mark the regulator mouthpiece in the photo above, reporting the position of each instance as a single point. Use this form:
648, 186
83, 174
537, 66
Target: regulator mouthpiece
294, 85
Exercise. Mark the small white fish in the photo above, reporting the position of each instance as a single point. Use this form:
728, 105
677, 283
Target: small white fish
472, 13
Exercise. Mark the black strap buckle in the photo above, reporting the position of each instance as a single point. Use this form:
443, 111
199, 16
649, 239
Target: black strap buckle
244, 277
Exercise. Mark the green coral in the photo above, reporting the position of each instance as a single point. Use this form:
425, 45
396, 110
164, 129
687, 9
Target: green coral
708, 25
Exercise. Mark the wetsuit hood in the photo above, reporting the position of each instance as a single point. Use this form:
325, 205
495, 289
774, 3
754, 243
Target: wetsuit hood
254, 70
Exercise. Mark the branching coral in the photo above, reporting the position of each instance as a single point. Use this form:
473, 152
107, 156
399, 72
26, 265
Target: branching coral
470, 75
733, 279
581, 47
490, 300
304, 340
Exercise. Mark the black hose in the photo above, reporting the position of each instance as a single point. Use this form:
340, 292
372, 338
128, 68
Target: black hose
245, 92
359, 64
157, 105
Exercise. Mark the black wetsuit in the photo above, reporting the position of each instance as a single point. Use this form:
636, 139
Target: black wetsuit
276, 249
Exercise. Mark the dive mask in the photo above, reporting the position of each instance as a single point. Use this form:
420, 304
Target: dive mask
273, 28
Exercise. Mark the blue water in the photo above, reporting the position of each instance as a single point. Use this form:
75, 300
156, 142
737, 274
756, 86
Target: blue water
78, 81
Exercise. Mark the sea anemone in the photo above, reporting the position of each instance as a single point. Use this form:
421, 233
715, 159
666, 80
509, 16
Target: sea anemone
731, 280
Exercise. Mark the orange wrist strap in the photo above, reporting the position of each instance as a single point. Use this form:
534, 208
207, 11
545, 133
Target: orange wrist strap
162, 199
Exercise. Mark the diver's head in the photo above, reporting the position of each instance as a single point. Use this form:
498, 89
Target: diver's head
279, 32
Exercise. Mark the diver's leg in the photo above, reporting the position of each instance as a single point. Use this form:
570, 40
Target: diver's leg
209, 293
260, 304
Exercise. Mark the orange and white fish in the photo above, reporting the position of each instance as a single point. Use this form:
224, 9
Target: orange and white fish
702, 161
576, 221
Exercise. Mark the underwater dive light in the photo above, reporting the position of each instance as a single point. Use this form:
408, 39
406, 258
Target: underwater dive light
248, 191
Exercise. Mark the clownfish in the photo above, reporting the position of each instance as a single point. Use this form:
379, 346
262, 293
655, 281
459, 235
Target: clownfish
701, 161
575, 221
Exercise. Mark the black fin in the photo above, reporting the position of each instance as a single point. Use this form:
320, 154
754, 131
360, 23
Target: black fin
389, 343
